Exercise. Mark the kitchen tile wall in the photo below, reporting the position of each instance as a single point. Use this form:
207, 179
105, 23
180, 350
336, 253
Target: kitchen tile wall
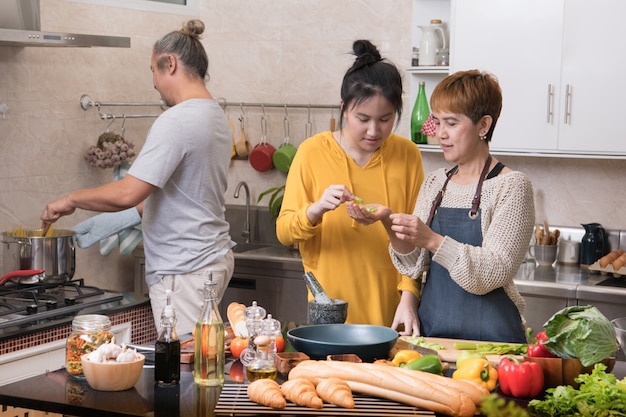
283, 51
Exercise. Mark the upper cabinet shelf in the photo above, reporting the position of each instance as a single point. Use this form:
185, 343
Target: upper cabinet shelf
429, 70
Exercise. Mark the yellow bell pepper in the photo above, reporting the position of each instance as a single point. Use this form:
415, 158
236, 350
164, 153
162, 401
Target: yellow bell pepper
405, 356
478, 370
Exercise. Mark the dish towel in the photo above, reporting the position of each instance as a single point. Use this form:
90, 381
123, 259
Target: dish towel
118, 229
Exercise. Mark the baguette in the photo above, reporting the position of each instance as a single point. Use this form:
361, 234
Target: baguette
301, 391
266, 392
237, 318
433, 392
400, 397
335, 391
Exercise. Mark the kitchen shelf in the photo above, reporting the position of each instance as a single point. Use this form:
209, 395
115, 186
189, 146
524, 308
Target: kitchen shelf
429, 70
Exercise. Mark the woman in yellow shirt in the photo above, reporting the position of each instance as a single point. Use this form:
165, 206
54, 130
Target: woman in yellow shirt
365, 159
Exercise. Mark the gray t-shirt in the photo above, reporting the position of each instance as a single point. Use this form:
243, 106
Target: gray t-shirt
186, 155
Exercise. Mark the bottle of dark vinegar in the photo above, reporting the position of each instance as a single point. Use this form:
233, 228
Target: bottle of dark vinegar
167, 347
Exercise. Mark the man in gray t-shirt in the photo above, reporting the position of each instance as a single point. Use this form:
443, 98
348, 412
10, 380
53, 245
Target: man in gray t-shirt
177, 183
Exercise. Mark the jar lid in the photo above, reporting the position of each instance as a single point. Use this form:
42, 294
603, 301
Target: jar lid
91, 321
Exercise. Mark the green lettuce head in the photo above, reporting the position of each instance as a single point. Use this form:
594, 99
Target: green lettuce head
581, 332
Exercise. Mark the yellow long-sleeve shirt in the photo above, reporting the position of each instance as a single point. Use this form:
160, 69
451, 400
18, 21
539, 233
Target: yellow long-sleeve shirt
350, 260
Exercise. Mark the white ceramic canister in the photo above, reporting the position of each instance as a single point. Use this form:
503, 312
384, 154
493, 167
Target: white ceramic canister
569, 252
433, 40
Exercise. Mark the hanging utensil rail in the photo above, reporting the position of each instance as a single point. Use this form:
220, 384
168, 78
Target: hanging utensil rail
278, 105
86, 102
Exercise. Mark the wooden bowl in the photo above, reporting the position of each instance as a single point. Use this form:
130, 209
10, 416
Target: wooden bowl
558, 371
345, 357
112, 376
286, 361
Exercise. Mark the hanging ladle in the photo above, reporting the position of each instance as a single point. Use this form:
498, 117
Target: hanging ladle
20, 273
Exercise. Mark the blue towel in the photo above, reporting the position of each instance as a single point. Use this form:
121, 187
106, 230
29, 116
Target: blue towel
119, 229
107, 227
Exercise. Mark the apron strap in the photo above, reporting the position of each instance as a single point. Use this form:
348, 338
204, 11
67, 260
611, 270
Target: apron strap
437, 201
475, 201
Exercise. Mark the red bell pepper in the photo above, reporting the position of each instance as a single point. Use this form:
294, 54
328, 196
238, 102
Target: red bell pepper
520, 379
536, 349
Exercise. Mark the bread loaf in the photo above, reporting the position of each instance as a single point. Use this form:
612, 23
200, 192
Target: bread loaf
433, 392
235, 312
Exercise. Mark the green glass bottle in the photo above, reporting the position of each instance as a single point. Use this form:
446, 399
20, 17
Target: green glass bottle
419, 115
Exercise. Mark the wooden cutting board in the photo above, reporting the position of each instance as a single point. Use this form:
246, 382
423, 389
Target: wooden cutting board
450, 354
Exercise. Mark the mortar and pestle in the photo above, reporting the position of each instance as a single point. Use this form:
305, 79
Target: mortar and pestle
323, 309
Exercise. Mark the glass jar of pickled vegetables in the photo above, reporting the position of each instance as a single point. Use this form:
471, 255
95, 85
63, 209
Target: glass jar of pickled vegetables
88, 333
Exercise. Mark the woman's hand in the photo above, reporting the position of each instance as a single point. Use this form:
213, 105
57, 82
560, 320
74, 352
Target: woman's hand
409, 228
406, 314
369, 213
331, 198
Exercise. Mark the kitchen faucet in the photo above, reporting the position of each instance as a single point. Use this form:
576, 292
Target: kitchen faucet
246, 226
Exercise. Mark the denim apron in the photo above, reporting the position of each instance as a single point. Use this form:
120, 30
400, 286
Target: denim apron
446, 309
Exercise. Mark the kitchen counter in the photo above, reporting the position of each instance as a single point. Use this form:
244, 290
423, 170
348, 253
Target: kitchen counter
58, 392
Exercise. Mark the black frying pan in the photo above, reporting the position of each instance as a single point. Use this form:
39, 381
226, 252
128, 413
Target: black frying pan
369, 342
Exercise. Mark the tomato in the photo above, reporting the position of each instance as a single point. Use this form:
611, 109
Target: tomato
237, 345
280, 344
237, 371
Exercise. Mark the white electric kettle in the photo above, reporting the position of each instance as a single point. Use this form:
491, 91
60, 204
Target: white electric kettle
433, 40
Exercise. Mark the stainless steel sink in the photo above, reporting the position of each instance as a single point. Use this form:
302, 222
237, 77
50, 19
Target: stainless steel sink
247, 247
266, 251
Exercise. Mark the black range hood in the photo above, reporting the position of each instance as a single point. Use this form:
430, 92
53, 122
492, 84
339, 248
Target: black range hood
20, 25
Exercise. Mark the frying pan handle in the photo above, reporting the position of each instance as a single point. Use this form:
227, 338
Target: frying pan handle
20, 273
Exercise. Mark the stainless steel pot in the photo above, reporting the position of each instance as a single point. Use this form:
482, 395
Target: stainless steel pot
56, 255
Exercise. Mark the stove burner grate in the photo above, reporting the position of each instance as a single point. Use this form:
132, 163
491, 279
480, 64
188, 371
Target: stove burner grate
24, 304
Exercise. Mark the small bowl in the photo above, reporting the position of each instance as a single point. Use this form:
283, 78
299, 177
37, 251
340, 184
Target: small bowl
619, 325
112, 376
333, 313
558, 371
345, 357
286, 361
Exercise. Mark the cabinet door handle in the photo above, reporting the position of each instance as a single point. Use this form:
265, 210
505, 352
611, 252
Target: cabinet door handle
550, 103
568, 104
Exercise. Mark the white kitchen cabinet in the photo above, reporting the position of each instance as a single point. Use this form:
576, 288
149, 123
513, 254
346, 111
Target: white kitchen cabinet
559, 66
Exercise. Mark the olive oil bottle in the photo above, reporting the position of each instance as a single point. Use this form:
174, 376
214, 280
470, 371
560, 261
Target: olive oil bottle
209, 347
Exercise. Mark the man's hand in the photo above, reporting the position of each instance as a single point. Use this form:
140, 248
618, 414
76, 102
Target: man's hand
56, 209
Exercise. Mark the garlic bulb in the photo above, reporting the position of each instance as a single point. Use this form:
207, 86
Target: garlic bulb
127, 355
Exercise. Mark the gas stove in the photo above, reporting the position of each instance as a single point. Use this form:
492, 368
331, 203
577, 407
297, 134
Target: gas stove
28, 306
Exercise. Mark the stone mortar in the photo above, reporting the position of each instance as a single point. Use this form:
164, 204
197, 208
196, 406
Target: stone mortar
334, 313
